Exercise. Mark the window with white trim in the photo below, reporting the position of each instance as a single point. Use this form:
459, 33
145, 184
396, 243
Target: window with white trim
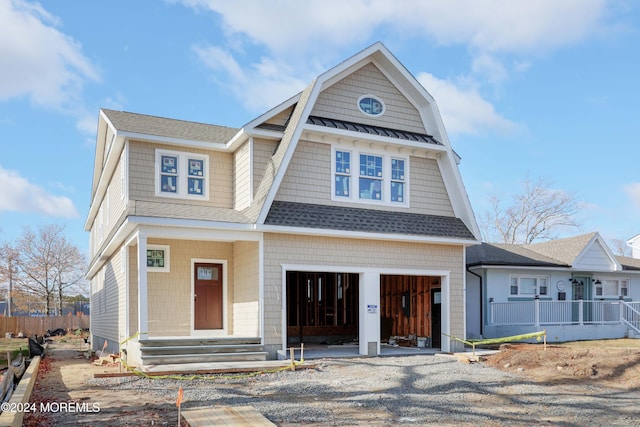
182, 175
371, 181
342, 186
611, 288
379, 178
158, 259
529, 286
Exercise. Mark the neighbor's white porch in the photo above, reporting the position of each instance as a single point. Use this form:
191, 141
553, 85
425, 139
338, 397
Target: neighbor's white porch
564, 320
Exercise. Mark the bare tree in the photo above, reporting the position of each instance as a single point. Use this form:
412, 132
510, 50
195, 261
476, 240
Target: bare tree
70, 265
620, 247
9, 271
537, 213
49, 264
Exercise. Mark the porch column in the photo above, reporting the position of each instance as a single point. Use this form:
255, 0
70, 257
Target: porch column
143, 306
369, 314
580, 312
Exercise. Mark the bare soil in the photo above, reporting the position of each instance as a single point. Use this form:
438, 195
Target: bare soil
62, 378
64, 373
610, 363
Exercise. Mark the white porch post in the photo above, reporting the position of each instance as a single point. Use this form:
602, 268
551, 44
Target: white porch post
580, 312
369, 314
143, 305
536, 308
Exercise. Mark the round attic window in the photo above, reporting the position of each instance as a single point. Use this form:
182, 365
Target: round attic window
370, 105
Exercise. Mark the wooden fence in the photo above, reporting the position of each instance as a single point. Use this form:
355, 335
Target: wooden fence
39, 325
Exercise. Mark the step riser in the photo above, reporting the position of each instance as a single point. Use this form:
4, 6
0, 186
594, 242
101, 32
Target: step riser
198, 350
199, 342
202, 358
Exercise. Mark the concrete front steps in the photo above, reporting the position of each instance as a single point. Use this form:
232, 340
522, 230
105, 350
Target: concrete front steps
173, 351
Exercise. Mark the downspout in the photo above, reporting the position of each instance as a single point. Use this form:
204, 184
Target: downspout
481, 300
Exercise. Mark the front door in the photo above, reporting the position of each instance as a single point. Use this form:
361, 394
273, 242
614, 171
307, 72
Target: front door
207, 305
581, 290
436, 331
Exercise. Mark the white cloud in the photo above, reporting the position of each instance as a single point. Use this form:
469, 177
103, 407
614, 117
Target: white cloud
39, 61
19, 195
263, 85
489, 25
500, 37
464, 110
633, 192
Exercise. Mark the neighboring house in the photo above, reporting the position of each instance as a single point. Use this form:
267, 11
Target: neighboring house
575, 288
338, 215
634, 243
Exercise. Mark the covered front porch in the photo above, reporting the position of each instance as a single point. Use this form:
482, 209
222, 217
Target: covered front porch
193, 296
565, 320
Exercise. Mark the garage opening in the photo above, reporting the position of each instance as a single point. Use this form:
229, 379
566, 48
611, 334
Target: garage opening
410, 310
322, 307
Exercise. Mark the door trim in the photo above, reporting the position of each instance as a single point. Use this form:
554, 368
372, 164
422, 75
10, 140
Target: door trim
225, 304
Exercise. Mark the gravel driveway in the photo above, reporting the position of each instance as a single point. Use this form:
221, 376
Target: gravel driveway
415, 390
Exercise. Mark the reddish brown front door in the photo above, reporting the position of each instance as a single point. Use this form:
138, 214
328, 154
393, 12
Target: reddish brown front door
207, 304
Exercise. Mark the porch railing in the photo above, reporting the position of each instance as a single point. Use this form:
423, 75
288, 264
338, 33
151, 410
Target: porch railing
631, 315
538, 312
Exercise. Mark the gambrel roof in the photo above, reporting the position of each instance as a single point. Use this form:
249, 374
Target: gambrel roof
287, 124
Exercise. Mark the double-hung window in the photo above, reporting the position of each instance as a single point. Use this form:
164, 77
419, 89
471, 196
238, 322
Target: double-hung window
370, 184
343, 174
529, 285
397, 180
612, 288
370, 177
182, 175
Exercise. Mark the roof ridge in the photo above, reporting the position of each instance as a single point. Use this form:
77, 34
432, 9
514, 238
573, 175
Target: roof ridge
166, 118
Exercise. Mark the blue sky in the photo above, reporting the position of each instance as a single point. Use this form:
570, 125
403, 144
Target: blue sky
541, 88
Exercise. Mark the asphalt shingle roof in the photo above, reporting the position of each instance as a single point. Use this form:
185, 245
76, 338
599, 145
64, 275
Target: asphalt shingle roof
554, 253
565, 250
505, 254
171, 128
308, 215
629, 263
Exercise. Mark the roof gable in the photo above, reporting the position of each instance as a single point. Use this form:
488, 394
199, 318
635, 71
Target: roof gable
587, 251
339, 101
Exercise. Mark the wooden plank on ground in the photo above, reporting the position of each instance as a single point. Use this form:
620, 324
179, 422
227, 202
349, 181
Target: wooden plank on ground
225, 416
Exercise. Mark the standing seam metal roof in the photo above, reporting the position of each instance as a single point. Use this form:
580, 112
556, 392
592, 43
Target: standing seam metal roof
372, 130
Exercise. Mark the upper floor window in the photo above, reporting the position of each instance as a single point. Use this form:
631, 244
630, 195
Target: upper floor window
343, 174
611, 288
529, 285
379, 178
183, 175
397, 180
370, 184
371, 105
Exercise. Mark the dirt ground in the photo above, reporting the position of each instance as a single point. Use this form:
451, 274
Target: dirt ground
64, 371
611, 363
62, 378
